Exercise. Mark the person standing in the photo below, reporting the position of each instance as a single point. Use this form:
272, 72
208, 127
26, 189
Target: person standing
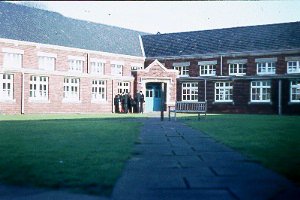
141, 101
116, 103
125, 99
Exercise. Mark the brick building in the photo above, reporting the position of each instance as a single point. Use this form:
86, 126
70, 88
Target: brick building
53, 64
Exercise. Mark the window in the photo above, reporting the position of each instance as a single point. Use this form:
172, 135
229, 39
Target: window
261, 91
223, 91
39, 87
75, 65
98, 90
97, 67
46, 63
237, 69
266, 68
293, 67
116, 69
71, 89
189, 91
6, 86
123, 87
12, 60
183, 68
295, 91
207, 70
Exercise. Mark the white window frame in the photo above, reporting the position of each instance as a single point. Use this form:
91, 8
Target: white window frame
189, 91
12, 60
123, 86
295, 90
6, 87
46, 63
261, 87
39, 88
71, 89
75, 65
97, 66
208, 70
263, 68
182, 68
223, 92
293, 68
117, 69
239, 69
98, 90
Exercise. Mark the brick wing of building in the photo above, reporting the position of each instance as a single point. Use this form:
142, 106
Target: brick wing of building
53, 64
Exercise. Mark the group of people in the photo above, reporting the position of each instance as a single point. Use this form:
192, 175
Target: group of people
125, 103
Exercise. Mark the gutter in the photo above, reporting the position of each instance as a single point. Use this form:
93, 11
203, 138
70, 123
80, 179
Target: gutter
228, 54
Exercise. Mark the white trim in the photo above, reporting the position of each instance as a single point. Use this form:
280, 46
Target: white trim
240, 61
181, 64
12, 50
44, 54
117, 63
212, 62
102, 53
137, 65
142, 46
156, 62
97, 60
292, 58
82, 58
262, 60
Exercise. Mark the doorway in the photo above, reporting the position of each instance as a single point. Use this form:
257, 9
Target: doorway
153, 97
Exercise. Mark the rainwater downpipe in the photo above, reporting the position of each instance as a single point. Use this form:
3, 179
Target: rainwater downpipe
221, 66
22, 93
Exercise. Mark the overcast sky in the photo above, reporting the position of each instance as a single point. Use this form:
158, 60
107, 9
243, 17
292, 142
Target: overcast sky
180, 16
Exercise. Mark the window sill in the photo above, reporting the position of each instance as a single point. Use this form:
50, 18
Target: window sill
223, 102
294, 103
31, 100
258, 102
99, 101
71, 101
8, 100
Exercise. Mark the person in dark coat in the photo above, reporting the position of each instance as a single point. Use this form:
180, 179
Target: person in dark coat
133, 104
140, 101
125, 103
116, 103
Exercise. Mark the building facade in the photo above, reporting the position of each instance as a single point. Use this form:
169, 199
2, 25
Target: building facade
61, 65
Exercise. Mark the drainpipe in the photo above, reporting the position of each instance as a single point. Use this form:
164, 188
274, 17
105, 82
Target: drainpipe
87, 63
221, 66
205, 89
279, 98
22, 93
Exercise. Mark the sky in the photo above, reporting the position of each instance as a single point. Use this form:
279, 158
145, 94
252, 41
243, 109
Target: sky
177, 16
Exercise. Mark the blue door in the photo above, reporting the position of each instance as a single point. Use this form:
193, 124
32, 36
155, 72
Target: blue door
153, 97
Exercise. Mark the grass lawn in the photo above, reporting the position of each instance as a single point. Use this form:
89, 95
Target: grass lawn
82, 153
273, 140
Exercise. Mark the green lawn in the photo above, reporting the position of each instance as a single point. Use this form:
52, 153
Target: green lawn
273, 140
82, 153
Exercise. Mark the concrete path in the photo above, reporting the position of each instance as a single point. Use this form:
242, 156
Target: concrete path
174, 161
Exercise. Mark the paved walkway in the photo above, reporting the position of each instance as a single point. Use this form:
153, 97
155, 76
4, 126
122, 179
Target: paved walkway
174, 161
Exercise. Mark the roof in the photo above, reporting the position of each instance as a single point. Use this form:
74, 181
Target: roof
24, 23
221, 41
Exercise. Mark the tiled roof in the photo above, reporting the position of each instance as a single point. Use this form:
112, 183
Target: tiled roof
221, 41
35, 25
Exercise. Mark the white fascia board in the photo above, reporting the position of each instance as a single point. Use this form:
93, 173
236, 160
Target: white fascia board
82, 58
44, 54
260, 60
234, 61
12, 50
179, 64
137, 65
212, 62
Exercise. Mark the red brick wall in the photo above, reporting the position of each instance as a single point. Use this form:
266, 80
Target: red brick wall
55, 103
